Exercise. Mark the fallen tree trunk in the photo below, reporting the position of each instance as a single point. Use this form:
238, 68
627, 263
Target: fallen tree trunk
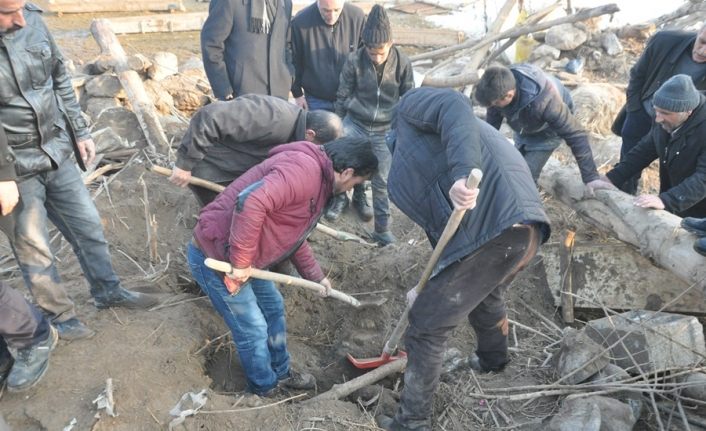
472, 76
142, 104
655, 233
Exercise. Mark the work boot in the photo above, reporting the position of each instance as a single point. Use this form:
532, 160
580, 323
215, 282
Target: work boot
120, 297
360, 203
6, 362
479, 366
298, 381
697, 226
700, 246
338, 204
390, 424
73, 329
383, 238
31, 363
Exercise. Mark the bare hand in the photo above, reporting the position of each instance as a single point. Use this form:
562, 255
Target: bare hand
649, 201
9, 196
301, 102
602, 183
461, 196
235, 279
180, 177
411, 296
327, 284
87, 149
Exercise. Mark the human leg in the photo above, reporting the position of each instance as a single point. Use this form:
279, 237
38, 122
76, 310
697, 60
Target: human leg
359, 200
637, 124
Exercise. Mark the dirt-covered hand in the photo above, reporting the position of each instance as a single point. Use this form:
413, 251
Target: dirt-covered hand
649, 201
461, 196
327, 284
180, 177
87, 149
603, 183
9, 196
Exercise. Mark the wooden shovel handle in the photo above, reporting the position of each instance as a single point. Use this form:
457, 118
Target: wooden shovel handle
218, 265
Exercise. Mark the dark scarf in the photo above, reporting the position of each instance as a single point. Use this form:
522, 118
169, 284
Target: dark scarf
262, 14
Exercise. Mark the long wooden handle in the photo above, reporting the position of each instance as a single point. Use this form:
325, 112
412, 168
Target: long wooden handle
221, 266
448, 233
210, 185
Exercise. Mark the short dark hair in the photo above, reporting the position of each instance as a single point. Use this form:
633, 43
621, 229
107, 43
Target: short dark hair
352, 152
325, 124
494, 85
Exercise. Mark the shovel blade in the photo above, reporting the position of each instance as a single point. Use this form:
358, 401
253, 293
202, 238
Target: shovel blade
370, 363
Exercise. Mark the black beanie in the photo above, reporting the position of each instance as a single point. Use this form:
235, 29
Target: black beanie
678, 94
377, 27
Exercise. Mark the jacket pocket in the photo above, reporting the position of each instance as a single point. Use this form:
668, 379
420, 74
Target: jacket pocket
39, 61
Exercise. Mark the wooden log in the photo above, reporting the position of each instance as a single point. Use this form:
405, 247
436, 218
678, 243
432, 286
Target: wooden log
566, 257
426, 37
142, 104
655, 233
87, 6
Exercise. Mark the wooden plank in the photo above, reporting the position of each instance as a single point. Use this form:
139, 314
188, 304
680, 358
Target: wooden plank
193, 21
87, 6
420, 8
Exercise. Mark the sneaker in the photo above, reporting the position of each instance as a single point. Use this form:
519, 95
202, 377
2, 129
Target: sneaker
73, 329
700, 246
475, 363
383, 238
390, 424
361, 205
120, 297
31, 363
298, 381
338, 204
697, 226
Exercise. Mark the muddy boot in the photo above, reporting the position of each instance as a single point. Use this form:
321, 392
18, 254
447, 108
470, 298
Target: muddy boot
120, 297
298, 381
479, 366
390, 424
360, 203
383, 238
338, 204
31, 363
73, 329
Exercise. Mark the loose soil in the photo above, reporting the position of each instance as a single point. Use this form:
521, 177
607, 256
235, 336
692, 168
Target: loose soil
155, 357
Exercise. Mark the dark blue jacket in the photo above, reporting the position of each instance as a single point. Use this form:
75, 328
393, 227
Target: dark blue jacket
682, 164
438, 141
542, 107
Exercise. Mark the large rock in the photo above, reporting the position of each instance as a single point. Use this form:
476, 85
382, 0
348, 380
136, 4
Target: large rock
544, 51
105, 86
124, 123
565, 37
108, 140
579, 357
593, 414
611, 44
162, 100
650, 341
96, 105
186, 90
163, 65
174, 128
596, 105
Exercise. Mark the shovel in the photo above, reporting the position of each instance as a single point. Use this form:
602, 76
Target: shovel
221, 266
210, 185
393, 341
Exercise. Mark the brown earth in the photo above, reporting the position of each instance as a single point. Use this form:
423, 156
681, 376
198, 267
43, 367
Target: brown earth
155, 357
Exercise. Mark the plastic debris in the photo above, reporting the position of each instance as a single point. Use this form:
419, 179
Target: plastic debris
197, 401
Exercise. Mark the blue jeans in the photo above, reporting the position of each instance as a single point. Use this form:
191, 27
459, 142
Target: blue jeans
60, 196
536, 150
381, 203
255, 317
637, 124
315, 103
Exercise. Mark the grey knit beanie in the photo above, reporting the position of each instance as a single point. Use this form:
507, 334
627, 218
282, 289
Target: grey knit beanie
678, 94
377, 27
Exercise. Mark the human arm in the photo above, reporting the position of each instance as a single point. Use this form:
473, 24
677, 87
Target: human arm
635, 161
407, 76
638, 76
298, 52
494, 117
688, 192
215, 31
346, 85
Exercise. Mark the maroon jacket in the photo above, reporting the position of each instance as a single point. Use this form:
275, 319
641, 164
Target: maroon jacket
281, 201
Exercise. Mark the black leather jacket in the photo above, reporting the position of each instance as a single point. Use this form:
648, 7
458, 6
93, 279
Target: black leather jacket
33, 76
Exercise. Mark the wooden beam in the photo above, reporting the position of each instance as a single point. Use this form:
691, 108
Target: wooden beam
193, 21
86, 6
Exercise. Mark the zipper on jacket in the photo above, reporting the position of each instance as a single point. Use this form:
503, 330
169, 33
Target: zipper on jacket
377, 103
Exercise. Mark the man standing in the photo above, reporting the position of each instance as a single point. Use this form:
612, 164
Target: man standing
225, 139
263, 218
44, 126
438, 142
538, 108
668, 53
323, 35
677, 140
245, 47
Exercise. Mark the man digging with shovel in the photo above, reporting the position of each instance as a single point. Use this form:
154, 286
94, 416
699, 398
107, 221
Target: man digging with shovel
438, 142
263, 218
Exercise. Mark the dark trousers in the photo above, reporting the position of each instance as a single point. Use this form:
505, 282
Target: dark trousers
472, 289
205, 196
21, 324
637, 125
